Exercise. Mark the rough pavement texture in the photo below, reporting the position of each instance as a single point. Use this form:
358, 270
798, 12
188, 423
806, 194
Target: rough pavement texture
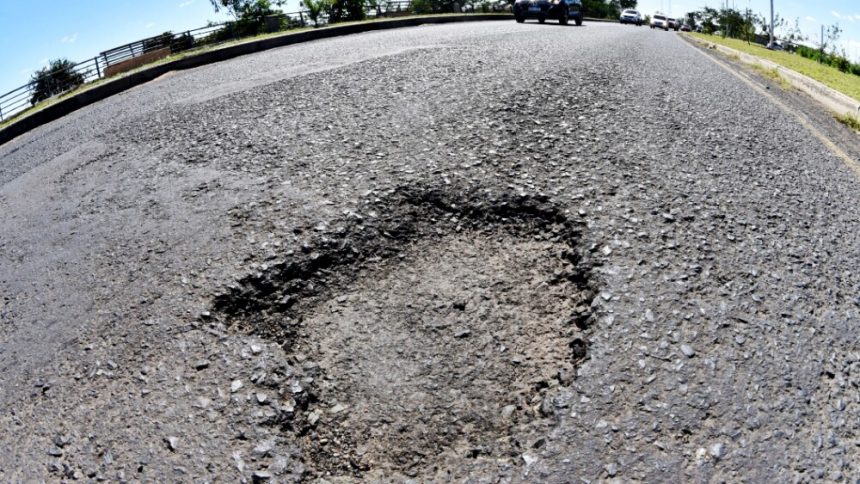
181, 265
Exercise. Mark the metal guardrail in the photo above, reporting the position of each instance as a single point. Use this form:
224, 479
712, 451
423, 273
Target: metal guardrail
19, 100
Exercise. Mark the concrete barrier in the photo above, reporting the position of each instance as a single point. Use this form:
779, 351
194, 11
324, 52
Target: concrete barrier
135, 62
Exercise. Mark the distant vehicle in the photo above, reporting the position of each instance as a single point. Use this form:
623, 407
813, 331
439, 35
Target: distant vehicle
699, 28
631, 16
561, 10
686, 28
674, 23
659, 22
775, 45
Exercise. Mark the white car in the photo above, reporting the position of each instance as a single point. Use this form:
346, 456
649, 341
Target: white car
659, 22
630, 16
674, 24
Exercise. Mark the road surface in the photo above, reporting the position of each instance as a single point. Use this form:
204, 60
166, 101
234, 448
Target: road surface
487, 250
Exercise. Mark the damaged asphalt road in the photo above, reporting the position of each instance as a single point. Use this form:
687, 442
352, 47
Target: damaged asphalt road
487, 251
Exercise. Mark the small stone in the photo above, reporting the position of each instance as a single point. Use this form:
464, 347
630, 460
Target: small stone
701, 455
611, 469
235, 386
508, 410
529, 459
313, 418
337, 408
55, 452
201, 365
263, 449
668, 217
262, 398
237, 459
606, 250
172, 443
688, 351
649, 316
717, 450
278, 465
463, 333
62, 441
606, 296
261, 476
256, 349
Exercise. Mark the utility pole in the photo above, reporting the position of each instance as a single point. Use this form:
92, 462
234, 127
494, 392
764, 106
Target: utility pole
770, 44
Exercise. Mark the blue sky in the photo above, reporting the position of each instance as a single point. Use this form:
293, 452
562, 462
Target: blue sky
33, 31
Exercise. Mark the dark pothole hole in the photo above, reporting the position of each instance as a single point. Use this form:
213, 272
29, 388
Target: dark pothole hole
425, 340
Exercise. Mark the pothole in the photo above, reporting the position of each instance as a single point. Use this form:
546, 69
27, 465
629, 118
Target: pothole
430, 339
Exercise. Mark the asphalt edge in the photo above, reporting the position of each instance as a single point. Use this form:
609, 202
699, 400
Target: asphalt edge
852, 164
830, 98
116, 86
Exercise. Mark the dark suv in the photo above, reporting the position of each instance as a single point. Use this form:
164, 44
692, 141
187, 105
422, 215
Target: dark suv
561, 10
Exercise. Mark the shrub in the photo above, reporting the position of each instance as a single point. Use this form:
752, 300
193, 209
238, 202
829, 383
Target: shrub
432, 6
840, 63
345, 10
159, 42
58, 77
182, 42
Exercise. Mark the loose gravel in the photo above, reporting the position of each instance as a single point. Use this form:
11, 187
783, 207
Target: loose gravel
144, 240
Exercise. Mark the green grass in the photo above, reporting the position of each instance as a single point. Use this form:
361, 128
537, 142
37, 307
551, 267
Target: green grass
848, 84
774, 75
849, 120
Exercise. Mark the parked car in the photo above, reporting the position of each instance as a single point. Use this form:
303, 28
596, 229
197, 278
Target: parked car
674, 23
561, 10
686, 28
630, 16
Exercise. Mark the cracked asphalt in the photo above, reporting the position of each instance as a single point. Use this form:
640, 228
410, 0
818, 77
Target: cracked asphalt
718, 238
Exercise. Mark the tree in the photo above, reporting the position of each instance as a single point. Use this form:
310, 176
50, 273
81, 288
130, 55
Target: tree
831, 36
246, 9
315, 9
602, 8
346, 10
625, 4
692, 19
250, 15
57, 77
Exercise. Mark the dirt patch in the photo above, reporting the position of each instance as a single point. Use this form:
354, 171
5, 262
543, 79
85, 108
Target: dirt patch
431, 339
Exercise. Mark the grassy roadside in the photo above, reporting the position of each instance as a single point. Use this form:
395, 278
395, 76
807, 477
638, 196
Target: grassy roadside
181, 55
848, 84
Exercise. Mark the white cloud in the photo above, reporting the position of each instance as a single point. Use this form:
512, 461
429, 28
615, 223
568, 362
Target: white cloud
186, 3
835, 14
70, 39
809, 19
149, 25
